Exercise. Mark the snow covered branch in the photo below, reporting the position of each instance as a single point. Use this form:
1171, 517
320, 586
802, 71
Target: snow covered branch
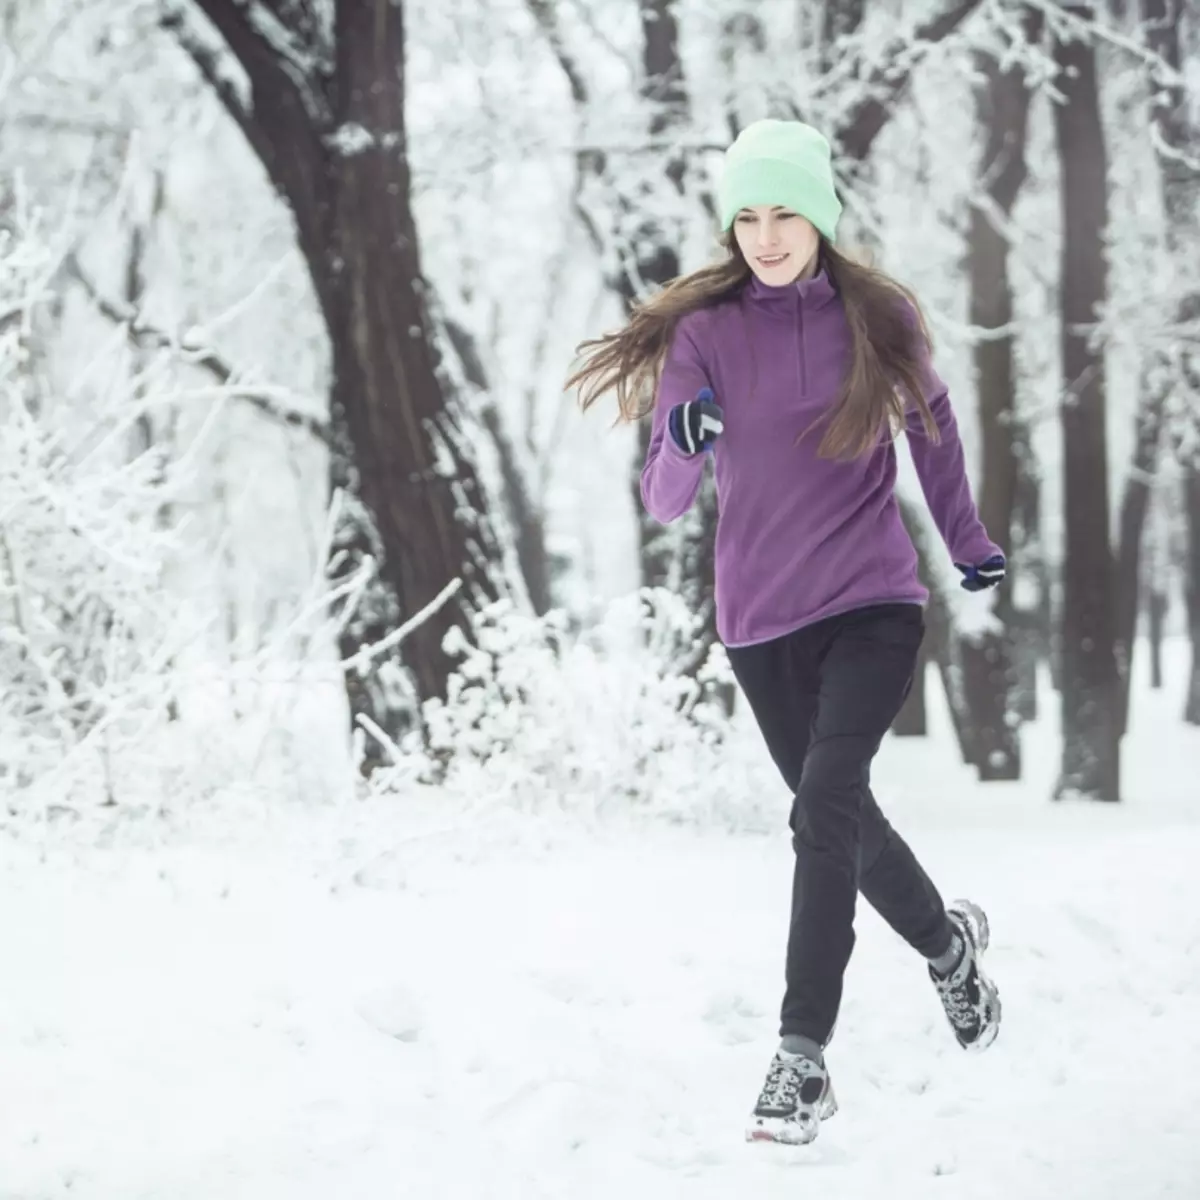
84, 543
146, 334
287, 115
862, 122
207, 60
546, 15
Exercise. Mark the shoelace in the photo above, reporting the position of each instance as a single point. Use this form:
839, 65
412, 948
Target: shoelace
782, 1086
783, 1082
958, 1002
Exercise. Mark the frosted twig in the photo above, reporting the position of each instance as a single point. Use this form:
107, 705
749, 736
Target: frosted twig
359, 661
141, 331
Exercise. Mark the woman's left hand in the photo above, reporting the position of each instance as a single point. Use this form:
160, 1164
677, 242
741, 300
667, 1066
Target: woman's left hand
983, 575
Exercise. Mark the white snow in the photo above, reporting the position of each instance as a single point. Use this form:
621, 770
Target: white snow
418, 1003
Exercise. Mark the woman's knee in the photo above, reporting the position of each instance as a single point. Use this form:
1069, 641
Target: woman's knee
827, 805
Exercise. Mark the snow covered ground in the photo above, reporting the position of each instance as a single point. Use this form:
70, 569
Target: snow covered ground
360, 1004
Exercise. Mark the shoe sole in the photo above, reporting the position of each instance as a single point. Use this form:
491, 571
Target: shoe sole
787, 1132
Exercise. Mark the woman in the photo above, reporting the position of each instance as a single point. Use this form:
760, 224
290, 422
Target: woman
793, 368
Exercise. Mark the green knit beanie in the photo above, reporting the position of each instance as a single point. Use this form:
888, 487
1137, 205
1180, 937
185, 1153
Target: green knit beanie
780, 162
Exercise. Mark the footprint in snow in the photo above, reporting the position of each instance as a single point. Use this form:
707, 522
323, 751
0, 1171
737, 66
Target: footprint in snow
734, 1019
392, 1011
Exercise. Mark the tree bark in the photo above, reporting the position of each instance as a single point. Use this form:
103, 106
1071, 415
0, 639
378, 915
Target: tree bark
331, 135
1032, 622
1135, 503
1091, 684
1156, 611
989, 675
652, 260
1191, 587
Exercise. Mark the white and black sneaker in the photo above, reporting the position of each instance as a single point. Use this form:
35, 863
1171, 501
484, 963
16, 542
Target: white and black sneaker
970, 998
796, 1098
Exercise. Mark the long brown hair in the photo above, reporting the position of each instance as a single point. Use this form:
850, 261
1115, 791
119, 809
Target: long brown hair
888, 337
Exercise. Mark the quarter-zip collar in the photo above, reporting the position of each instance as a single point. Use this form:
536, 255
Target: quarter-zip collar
806, 294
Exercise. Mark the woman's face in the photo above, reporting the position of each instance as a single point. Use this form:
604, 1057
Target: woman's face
780, 245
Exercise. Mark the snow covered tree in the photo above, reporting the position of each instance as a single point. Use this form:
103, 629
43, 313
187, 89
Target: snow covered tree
988, 665
637, 207
1176, 381
322, 102
1167, 394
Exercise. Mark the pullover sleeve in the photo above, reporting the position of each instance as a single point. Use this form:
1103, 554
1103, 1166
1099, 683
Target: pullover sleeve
670, 478
941, 469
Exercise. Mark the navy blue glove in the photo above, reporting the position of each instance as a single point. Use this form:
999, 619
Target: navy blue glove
983, 575
696, 425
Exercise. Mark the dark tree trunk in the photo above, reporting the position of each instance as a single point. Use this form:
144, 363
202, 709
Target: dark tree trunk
412, 460
645, 249
1091, 684
1031, 622
681, 556
839, 19
525, 515
399, 444
651, 260
1191, 586
1156, 611
989, 675
1134, 505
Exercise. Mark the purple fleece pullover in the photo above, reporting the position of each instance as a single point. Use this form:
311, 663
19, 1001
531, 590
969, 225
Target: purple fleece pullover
799, 538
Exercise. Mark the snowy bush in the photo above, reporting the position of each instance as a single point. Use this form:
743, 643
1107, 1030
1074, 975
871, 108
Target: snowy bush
599, 720
86, 639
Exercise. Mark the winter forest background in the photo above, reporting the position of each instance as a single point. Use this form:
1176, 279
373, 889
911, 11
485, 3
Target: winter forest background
285, 337
296, 514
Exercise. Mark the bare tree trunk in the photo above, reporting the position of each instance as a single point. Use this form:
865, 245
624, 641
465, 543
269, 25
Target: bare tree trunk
1091, 684
1156, 611
988, 670
645, 250
525, 515
1031, 623
399, 444
839, 19
1134, 505
1191, 586
680, 556
143, 220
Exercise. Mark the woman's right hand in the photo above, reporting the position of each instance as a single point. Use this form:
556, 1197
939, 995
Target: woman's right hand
696, 424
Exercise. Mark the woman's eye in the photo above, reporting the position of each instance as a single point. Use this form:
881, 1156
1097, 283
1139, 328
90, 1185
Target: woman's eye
784, 216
